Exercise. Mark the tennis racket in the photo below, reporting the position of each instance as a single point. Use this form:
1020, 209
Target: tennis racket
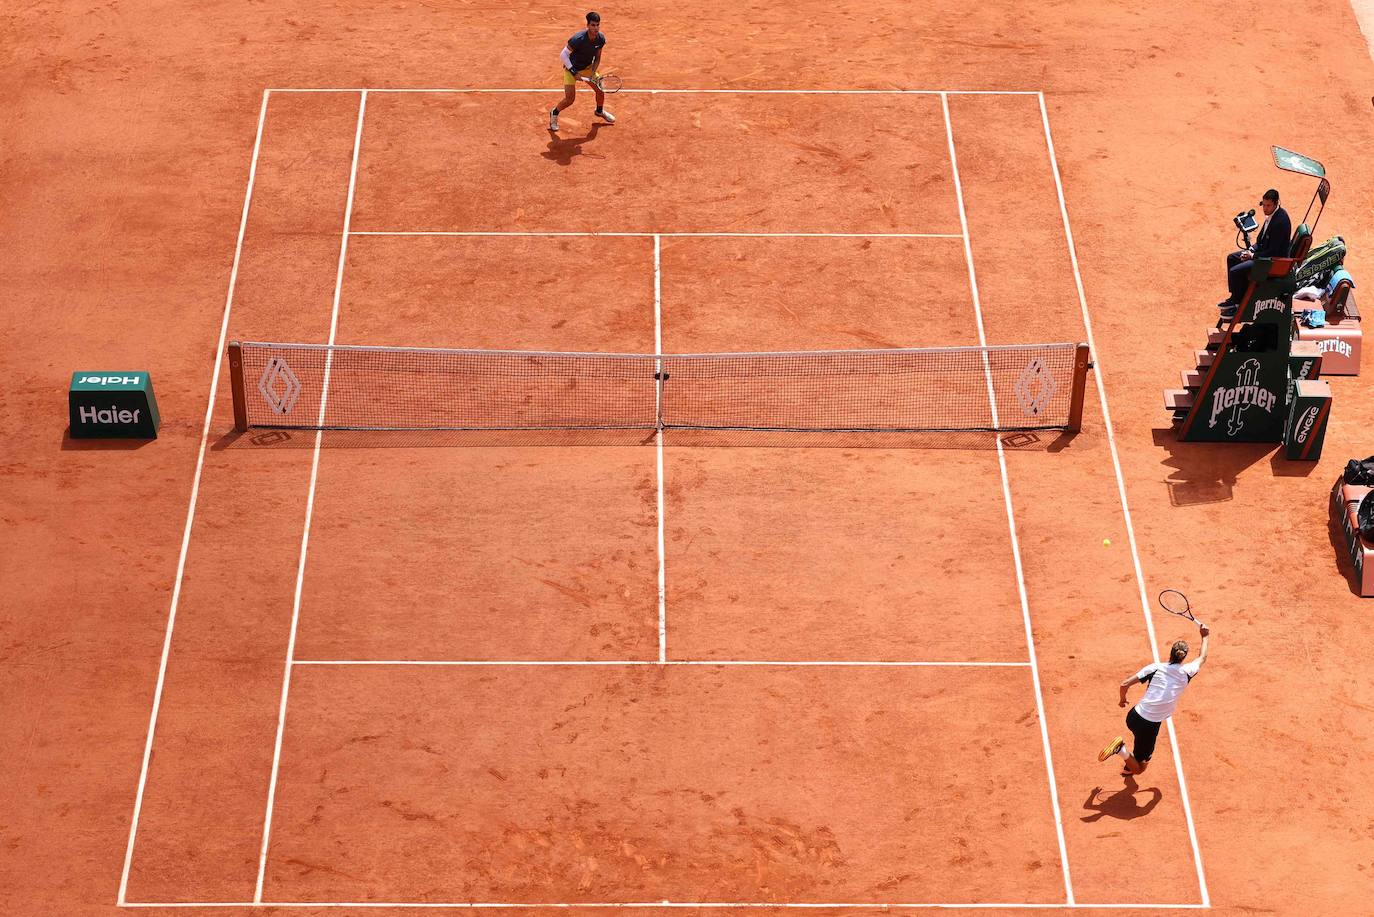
1176, 603
608, 83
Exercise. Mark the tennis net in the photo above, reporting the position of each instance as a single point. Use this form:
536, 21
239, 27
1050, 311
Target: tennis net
339, 387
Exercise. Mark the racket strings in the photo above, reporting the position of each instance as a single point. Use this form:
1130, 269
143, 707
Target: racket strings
1176, 603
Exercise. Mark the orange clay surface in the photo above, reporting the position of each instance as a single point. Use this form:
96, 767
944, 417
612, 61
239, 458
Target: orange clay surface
833, 774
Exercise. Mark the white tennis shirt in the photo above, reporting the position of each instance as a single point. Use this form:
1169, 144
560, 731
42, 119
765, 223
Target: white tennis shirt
1166, 681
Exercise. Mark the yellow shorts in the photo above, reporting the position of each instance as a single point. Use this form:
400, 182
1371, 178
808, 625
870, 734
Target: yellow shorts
568, 77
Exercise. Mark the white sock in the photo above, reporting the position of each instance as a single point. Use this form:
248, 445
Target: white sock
1122, 751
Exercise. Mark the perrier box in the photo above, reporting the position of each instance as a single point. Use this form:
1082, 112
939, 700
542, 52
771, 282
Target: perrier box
112, 404
1309, 408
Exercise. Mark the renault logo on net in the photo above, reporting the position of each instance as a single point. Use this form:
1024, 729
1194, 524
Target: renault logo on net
1035, 387
279, 386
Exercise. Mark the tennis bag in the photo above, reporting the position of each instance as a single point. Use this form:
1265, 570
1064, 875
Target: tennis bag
1320, 262
1360, 472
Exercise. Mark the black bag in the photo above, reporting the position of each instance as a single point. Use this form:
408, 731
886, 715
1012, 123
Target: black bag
1361, 472
1365, 516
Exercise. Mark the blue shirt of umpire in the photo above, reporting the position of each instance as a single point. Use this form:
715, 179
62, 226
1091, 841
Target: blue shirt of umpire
1272, 242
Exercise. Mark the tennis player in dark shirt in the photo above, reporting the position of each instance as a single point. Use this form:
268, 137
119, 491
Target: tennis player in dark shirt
581, 58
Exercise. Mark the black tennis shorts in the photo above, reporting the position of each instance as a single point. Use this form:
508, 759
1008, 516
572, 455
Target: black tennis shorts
1145, 734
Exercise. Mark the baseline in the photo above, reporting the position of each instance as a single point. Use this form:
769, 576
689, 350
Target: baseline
714, 905
796, 92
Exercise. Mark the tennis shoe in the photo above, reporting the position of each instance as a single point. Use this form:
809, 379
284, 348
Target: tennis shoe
605, 116
1229, 312
553, 121
1111, 748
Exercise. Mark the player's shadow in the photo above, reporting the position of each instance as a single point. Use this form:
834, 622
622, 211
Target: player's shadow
1123, 804
563, 150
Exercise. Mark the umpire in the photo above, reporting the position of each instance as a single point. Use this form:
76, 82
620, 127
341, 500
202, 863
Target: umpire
1272, 242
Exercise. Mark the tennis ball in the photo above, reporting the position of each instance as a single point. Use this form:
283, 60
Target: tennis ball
1106, 542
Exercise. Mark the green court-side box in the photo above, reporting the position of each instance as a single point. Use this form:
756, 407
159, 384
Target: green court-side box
112, 405
1305, 430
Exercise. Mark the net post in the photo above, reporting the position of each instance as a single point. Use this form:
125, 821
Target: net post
1081, 364
236, 385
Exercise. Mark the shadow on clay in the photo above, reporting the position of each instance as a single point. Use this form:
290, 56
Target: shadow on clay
1205, 472
1125, 804
73, 444
563, 150
672, 438
1343, 562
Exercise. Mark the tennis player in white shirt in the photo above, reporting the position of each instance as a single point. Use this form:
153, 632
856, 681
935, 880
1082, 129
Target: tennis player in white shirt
1164, 683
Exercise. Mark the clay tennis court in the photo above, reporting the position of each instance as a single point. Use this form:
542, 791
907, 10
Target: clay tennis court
390, 672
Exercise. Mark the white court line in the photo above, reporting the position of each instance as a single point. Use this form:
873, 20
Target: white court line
1364, 18
1121, 489
658, 440
784, 92
766, 905
645, 235
1011, 515
191, 508
782, 663
309, 510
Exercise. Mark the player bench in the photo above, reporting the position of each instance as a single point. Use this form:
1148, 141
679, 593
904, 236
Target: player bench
1345, 504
